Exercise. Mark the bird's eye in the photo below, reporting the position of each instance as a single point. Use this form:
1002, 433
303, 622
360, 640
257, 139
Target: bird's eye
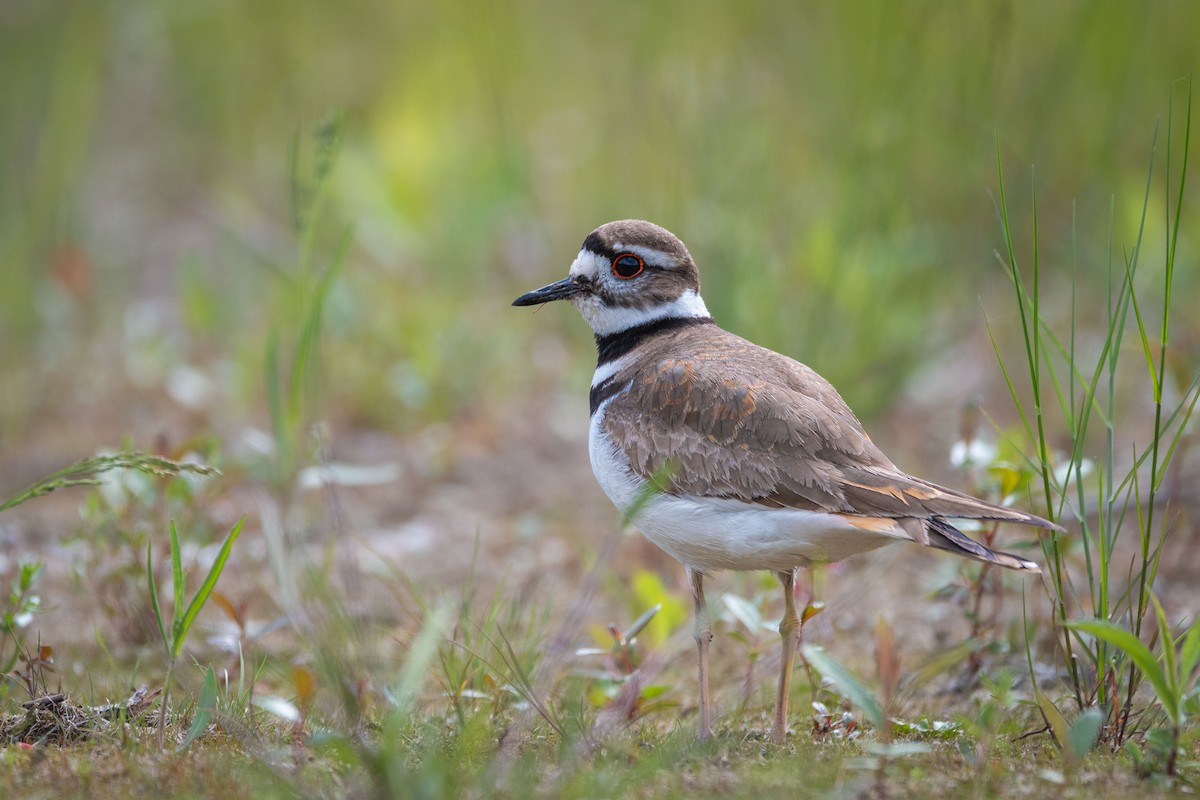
627, 265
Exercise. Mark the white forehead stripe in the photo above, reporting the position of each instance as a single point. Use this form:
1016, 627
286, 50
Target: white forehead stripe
588, 264
655, 258
609, 320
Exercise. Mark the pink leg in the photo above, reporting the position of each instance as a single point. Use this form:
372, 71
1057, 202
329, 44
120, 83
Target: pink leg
789, 633
703, 640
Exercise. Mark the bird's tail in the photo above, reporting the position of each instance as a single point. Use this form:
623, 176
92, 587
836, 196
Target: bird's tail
945, 536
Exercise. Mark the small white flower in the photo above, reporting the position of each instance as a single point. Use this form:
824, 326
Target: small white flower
972, 453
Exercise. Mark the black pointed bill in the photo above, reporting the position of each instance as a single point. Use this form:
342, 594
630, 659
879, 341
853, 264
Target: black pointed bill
560, 290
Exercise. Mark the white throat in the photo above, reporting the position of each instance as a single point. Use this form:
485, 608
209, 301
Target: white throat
607, 320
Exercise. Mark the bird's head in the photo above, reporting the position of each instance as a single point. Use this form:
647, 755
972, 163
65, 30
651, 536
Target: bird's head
627, 273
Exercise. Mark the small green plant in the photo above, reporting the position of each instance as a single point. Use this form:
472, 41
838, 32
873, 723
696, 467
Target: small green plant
1174, 674
850, 685
292, 392
649, 591
383, 757
1075, 739
22, 601
231, 702
1117, 503
621, 660
981, 730
119, 517
16, 613
747, 622
174, 635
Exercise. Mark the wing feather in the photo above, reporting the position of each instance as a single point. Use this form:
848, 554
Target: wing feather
738, 421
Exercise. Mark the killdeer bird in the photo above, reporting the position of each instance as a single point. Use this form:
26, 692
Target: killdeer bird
766, 467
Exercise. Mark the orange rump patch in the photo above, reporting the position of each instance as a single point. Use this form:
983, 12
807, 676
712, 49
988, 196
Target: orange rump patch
872, 524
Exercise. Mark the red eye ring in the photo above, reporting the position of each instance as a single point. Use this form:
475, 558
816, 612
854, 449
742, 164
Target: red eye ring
628, 265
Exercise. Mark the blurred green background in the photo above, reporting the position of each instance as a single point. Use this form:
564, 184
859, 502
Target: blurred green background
832, 166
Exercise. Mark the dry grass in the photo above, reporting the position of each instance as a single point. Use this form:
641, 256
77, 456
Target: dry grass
53, 719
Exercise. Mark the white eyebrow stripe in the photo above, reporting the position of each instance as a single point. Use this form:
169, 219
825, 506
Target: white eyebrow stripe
655, 258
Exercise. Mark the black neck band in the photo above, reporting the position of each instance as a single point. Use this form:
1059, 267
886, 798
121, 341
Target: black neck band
611, 347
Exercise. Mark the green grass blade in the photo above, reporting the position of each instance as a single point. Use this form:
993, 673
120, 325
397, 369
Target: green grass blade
1194, 391
660, 482
1137, 315
206, 707
1008, 381
306, 349
1184, 408
162, 628
846, 681
177, 581
422, 652
202, 594
1070, 356
1064, 404
1053, 716
642, 622
1137, 652
1084, 733
1173, 229
1189, 654
1170, 666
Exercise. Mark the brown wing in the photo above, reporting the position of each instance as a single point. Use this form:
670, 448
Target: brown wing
739, 421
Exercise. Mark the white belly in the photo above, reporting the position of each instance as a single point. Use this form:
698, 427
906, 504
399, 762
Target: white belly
710, 534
